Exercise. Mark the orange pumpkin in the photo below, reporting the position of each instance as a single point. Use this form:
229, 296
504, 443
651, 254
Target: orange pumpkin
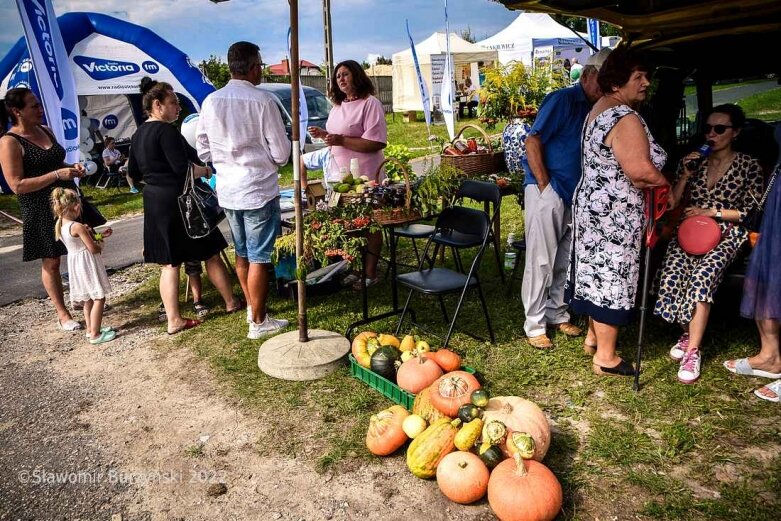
452, 390
446, 359
524, 490
462, 477
422, 406
417, 373
385, 434
520, 415
360, 348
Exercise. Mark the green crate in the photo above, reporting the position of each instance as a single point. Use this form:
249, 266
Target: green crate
387, 388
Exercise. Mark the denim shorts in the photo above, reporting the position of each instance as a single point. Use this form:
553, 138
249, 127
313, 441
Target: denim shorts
255, 231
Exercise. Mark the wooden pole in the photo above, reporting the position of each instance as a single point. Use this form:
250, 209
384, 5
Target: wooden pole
303, 333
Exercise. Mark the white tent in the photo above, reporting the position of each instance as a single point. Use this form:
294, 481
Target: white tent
431, 56
530, 31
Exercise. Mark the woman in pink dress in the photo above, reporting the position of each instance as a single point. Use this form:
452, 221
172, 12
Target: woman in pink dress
356, 128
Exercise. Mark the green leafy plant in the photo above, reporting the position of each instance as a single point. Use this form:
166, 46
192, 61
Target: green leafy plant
439, 185
515, 90
394, 171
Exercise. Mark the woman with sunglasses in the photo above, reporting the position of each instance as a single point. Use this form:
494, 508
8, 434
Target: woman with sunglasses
724, 186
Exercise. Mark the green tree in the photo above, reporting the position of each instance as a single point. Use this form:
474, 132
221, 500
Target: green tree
216, 70
382, 60
578, 23
468, 35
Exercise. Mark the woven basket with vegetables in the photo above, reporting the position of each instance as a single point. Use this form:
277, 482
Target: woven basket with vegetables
468, 157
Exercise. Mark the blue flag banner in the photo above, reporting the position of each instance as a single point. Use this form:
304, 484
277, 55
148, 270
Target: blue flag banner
421, 84
592, 27
447, 84
53, 73
303, 111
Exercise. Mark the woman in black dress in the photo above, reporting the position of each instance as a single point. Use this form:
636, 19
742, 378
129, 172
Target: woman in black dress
159, 153
34, 164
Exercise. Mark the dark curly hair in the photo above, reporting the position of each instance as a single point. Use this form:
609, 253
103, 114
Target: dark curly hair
736, 115
618, 68
154, 90
361, 83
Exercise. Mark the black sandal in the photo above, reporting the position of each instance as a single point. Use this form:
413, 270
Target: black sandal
624, 368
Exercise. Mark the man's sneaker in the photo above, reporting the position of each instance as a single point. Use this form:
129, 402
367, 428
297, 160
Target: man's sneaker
161, 316
200, 309
680, 347
268, 326
133, 190
689, 371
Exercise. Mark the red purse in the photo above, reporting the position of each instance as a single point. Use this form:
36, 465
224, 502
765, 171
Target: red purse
699, 234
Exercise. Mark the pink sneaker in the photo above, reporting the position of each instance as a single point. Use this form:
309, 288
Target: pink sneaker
689, 372
680, 347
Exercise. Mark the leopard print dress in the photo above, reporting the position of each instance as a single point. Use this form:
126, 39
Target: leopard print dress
686, 279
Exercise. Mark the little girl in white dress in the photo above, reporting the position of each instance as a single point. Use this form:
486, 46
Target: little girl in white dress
87, 276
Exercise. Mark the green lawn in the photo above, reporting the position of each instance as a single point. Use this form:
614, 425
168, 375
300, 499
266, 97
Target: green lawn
672, 451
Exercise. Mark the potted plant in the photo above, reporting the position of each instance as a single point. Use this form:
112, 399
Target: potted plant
513, 93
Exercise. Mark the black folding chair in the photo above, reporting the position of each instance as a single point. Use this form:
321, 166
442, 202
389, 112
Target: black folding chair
488, 194
457, 221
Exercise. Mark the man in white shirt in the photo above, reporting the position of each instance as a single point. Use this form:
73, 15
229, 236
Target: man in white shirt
240, 131
114, 162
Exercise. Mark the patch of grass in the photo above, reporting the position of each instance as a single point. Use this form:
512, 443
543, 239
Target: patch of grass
10, 205
114, 202
765, 106
195, 451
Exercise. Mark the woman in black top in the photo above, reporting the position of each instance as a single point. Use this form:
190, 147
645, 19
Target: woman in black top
34, 164
159, 153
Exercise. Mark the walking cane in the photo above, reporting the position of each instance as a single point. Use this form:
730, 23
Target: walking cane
655, 206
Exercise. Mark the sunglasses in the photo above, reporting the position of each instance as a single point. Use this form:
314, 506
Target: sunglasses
718, 129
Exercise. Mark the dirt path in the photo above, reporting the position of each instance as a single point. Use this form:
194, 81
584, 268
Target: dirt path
140, 429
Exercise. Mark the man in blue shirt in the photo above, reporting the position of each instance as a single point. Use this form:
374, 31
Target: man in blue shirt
553, 168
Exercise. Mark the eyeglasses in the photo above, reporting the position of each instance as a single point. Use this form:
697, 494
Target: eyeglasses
718, 129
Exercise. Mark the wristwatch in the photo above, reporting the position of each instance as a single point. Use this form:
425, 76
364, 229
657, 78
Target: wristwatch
718, 214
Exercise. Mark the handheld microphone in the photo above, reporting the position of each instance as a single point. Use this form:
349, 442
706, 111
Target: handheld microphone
704, 151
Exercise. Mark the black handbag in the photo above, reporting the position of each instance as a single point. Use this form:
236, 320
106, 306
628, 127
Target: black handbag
90, 215
753, 219
201, 213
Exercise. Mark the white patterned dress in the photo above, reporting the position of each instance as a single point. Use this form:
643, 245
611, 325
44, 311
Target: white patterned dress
608, 225
87, 278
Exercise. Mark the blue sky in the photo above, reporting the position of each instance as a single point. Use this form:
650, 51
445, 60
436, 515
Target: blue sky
360, 27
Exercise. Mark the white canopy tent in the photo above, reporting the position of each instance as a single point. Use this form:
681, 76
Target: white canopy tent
530, 31
431, 51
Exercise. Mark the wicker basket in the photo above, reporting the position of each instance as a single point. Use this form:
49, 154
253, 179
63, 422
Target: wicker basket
475, 165
397, 215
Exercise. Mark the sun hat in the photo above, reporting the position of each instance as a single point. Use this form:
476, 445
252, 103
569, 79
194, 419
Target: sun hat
598, 58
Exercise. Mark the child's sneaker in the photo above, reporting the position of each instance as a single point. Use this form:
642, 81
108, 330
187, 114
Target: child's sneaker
201, 309
689, 371
268, 326
680, 347
161, 316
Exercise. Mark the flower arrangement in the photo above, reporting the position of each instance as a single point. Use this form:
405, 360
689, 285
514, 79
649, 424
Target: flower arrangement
515, 90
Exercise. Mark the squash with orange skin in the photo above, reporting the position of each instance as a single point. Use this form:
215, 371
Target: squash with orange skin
416, 374
385, 434
524, 490
446, 359
362, 349
520, 415
452, 390
462, 477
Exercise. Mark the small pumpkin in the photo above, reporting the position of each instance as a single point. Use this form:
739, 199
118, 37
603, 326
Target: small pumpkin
360, 348
385, 434
383, 362
468, 412
524, 490
520, 415
480, 398
446, 359
427, 450
407, 344
413, 425
452, 390
521, 443
421, 346
407, 355
469, 434
494, 432
491, 455
388, 340
462, 477
416, 374
422, 406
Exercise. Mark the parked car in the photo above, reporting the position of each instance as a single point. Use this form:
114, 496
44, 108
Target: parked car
317, 104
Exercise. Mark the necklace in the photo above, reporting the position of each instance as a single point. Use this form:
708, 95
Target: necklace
351, 98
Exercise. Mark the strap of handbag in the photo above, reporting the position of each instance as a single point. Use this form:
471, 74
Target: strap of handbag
189, 181
773, 177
